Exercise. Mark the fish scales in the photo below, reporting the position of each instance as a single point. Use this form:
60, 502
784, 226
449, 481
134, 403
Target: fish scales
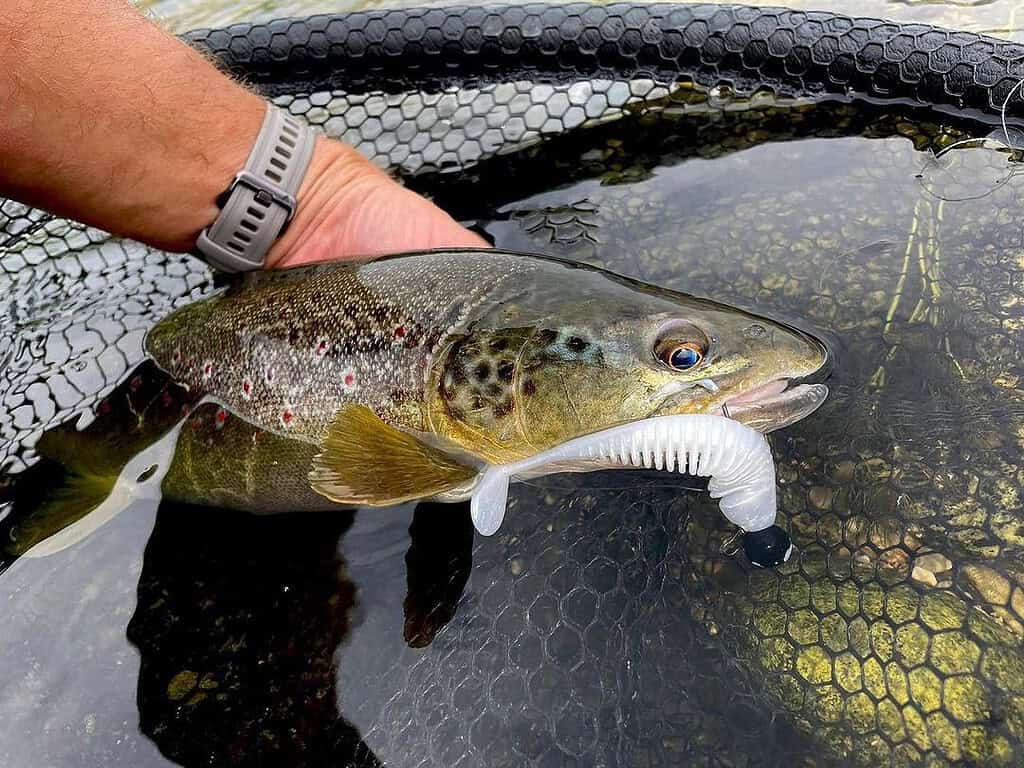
489, 356
287, 350
223, 461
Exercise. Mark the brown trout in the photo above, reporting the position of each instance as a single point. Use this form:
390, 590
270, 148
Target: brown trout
407, 377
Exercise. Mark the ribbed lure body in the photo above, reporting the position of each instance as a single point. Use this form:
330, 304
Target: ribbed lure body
736, 458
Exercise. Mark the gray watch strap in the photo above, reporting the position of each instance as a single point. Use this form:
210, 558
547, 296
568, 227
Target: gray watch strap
261, 200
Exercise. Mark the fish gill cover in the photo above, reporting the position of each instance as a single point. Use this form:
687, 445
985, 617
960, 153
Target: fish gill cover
610, 624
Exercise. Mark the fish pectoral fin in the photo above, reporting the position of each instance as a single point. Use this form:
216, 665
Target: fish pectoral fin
362, 460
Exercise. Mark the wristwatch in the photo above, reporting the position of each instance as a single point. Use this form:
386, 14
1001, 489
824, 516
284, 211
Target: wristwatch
256, 208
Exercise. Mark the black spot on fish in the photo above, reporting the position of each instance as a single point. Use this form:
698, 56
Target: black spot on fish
504, 408
493, 390
506, 371
576, 344
499, 345
529, 388
483, 372
293, 336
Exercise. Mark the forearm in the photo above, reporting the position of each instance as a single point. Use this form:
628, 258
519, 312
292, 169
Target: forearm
111, 121
106, 119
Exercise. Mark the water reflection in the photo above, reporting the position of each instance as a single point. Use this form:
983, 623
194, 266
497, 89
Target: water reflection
437, 567
239, 621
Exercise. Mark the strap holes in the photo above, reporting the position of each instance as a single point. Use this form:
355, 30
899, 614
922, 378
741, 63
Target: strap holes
282, 152
278, 163
274, 175
246, 224
256, 213
241, 236
290, 143
236, 247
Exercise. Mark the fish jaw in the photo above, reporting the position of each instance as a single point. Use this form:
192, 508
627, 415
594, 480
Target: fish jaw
766, 407
774, 405
789, 397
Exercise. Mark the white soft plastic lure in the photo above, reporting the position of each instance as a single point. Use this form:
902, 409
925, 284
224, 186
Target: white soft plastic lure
736, 458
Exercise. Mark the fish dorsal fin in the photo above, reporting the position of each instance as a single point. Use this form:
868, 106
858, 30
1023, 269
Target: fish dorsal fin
362, 460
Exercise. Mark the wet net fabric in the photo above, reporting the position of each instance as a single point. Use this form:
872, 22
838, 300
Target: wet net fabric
608, 623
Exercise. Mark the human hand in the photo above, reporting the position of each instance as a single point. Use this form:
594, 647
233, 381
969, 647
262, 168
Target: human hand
154, 147
350, 208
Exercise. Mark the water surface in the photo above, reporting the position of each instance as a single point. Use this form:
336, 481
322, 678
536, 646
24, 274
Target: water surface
607, 623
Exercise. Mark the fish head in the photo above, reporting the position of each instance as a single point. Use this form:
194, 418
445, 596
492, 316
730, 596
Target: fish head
703, 357
720, 360
516, 391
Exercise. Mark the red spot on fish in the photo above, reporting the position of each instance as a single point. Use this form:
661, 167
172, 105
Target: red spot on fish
400, 332
185, 410
321, 348
220, 417
197, 423
207, 369
287, 416
104, 406
246, 388
136, 382
350, 379
166, 399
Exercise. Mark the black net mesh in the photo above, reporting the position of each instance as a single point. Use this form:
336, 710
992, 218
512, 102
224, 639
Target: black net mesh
609, 623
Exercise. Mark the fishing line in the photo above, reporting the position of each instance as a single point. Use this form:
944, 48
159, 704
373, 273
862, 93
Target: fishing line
985, 142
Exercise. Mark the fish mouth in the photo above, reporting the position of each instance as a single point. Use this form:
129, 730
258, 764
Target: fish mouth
777, 404
784, 400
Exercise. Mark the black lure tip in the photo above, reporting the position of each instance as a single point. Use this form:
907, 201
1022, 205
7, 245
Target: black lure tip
767, 548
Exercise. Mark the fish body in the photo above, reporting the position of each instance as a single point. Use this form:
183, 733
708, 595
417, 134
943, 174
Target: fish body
414, 377
419, 371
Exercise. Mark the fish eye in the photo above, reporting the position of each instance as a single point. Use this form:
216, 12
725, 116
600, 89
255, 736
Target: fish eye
681, 356
681, 345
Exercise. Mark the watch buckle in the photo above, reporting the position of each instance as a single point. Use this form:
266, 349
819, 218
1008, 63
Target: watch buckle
266, 192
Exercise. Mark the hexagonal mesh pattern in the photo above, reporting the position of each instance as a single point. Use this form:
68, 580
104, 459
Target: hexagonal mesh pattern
789, 51
895, 637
